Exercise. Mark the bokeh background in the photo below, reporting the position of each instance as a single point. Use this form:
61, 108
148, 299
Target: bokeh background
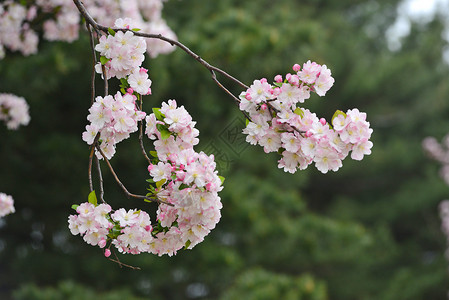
369, 231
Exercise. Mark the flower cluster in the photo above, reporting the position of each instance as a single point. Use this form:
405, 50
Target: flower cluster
122, 56
297, 134
114, 118
130, 231
61, 22
15, 31
439, 152
6, 205
186, 181
13, 110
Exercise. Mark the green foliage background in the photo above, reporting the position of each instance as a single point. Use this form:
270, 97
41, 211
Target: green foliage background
370, 231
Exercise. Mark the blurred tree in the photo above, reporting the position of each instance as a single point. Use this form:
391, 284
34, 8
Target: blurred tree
370, 231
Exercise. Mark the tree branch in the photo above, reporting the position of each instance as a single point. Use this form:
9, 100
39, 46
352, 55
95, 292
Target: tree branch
128, 194
172, 42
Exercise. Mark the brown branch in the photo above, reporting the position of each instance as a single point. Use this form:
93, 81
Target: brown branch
94, 62
172, 42
91, 155
100, 178
141, 137
116, 260
125, 190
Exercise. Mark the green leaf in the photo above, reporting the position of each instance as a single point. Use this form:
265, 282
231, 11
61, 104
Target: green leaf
160, 183
111, 31
75, 206
278, 84
183, 186
336, 114
165, 133
299, 112
222, 179
103, 60
246, 122
153, 153
136, 29
150, 180
92, 198
187, 244
123, 91
157, 112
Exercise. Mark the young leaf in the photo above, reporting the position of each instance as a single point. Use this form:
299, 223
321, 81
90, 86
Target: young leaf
246, 122
222, 179
336, 114
160, 183
165, 133
153, 153
187, 244
299, 112
92, 198
103, 60
75, 206
183, 186
157, 112
111, 31
136, 29
150, 180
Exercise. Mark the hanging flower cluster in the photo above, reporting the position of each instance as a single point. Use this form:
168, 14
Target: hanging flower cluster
6, 205
13, 110
114, 118
122, 55
298, 135
61, 22
185, 180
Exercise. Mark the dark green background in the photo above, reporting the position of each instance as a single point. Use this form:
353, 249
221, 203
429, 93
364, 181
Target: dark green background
369, 231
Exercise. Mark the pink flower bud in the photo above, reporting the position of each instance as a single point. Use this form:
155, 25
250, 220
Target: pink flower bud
248, 96
288, 76
149, 91
143, 70
102, 243
150, 167
263, 107
308, 133
294, 80
296, 67
277, 91
107, 253
129, 91
148, 228
278, 78
182, 167
263, 80
323, 121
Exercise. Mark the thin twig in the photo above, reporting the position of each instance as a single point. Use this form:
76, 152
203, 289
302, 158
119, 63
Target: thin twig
128, 194
94, 62
100, 178
91, 155
141, 136
172, 42
122, 264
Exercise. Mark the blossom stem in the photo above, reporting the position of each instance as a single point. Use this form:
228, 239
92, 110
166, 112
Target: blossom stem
125, 190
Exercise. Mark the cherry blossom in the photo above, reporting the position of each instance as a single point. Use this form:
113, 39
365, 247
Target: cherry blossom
298, 135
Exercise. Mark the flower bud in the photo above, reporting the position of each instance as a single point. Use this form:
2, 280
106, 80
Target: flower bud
296, 67
278, 78
107, 253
